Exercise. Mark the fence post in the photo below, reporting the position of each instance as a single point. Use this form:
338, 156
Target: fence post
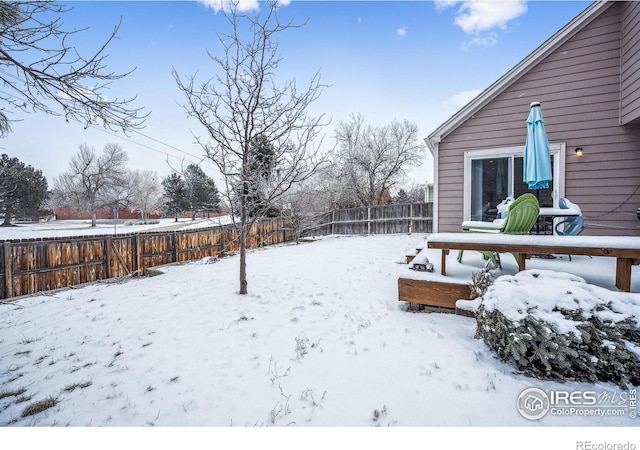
8, 271
280, 233
137, 260
107, 255
333, 221
174, 239
369, 220
410, 218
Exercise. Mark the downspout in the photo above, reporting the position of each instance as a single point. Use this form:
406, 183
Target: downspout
434, 144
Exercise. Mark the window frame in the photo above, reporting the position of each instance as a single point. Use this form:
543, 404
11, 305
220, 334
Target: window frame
558, 150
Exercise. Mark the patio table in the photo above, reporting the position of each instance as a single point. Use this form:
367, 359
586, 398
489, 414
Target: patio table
544, 225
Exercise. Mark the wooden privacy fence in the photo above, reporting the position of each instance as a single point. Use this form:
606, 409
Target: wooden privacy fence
28, 266
387, 219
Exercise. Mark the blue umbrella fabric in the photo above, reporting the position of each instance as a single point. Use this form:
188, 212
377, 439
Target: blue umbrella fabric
537, 159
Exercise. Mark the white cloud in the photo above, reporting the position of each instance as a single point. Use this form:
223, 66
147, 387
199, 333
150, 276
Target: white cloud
478, 16
443, 4
402, 31
475, 16
486, 40
462, 98
243, 5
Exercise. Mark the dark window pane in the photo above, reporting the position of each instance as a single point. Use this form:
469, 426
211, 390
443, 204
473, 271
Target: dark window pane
489, 186
520, 187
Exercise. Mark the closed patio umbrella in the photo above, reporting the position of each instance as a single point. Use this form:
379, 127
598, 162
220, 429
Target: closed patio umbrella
537, 160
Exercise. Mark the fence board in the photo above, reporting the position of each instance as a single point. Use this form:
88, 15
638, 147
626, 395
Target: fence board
386, 219
29, 266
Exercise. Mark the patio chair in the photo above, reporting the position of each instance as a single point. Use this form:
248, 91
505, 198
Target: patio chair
572, 225
522, 215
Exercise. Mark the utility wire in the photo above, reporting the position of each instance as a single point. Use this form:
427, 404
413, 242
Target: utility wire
200, 159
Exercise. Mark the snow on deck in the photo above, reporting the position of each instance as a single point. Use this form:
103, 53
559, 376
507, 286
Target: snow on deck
617, 242
597, 270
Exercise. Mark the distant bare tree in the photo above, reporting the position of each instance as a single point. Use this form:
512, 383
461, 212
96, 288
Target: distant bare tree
416, 193
302, 205
145, 192
243, 103
372, 160
94, 181
40, 70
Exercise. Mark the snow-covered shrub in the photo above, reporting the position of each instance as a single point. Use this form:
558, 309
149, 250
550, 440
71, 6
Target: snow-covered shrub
480, 281
555, 326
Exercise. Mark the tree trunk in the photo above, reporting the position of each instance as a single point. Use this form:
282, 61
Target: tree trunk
93, 217
243, 260
242, 235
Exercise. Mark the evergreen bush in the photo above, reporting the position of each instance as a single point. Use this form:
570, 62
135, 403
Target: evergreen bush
554, 326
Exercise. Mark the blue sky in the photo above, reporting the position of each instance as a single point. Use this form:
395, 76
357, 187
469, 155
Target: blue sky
415, 60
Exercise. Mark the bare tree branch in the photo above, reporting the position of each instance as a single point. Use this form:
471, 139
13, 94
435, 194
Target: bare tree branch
41, 71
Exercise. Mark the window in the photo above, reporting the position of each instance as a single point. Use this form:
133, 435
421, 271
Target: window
492, 175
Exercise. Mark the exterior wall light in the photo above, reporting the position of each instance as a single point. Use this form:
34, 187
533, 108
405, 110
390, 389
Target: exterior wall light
579, 151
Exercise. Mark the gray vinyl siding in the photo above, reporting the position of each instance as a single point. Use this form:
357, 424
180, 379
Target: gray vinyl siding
578, 86
630, 63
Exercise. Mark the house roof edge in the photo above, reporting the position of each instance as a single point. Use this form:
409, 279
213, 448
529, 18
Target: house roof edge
546, 48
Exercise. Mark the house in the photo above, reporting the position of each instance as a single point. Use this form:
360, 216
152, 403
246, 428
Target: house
587, 79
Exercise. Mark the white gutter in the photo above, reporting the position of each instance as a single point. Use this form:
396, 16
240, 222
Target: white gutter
433, 146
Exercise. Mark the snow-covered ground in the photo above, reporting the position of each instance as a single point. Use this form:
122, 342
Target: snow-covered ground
320, 341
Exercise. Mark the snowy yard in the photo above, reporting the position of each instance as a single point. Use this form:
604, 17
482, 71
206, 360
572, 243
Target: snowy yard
321, 340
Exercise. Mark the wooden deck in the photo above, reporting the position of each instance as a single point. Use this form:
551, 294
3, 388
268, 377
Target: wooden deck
442, 289
626, 249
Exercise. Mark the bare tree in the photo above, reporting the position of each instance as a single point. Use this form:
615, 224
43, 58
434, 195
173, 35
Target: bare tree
41, 71
243, 103
94, 181
300, 207
145, 192
373, 160
417, 193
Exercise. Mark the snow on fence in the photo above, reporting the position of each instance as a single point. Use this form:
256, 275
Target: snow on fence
28, 266
387, 219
